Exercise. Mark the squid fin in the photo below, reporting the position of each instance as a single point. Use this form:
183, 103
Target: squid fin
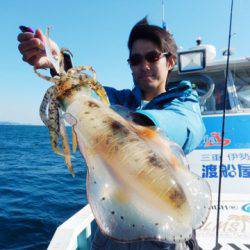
196, 189
120, 203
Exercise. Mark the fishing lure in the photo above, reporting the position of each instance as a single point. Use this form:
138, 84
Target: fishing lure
138, 183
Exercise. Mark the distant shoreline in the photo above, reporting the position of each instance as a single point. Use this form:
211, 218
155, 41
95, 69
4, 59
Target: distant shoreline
18, 124
24, 124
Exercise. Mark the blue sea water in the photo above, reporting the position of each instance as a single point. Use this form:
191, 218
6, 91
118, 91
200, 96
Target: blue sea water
37, 192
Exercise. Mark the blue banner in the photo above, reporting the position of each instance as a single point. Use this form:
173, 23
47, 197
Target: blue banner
237, 132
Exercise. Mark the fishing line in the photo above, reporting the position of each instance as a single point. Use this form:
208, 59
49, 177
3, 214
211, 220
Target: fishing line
217, 246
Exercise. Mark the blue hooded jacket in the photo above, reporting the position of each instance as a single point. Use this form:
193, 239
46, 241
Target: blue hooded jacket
176, 112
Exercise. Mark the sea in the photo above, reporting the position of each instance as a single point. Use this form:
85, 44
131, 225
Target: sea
37, 192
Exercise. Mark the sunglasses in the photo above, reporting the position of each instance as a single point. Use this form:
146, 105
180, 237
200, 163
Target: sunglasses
151, 57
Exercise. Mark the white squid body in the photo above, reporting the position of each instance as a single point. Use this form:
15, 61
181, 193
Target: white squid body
138, 184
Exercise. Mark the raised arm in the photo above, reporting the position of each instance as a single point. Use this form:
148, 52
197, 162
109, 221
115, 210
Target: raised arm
32, 49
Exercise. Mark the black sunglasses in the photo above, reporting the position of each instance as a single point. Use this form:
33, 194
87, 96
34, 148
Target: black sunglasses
151, 57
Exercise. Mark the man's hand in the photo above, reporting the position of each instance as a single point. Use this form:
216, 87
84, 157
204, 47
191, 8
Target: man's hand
32, 48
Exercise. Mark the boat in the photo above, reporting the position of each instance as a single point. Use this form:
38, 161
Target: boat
208, 77
234, 228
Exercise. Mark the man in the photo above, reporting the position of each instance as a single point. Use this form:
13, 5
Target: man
174, 109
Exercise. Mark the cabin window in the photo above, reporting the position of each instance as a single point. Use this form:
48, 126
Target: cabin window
216, 100
241, 76
210, 88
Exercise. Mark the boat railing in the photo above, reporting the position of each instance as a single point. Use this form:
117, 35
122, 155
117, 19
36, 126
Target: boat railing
76, 232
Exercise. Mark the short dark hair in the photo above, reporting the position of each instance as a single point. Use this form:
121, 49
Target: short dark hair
161, 37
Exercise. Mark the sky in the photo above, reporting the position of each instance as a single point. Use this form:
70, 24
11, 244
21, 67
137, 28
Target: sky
96, 32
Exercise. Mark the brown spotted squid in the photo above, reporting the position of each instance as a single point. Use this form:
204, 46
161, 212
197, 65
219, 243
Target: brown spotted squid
139, 185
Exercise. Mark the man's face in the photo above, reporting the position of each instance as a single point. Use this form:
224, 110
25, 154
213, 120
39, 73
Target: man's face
149, 76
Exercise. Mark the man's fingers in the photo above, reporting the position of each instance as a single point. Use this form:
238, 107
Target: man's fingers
39, 62
33, 52
33, 43
31, 61
32, 48
39, 34
25, 36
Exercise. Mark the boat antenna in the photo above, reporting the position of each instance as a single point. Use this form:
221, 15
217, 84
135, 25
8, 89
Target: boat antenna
163, 15
217, 245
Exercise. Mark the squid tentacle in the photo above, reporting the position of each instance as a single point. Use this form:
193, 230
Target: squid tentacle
50, 112
51, 119
100, 91
78, 70
74, 140
43, 107
54, 79
66, 50
66, 148
53, 125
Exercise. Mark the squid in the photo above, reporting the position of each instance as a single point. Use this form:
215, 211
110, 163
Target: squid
139, 185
